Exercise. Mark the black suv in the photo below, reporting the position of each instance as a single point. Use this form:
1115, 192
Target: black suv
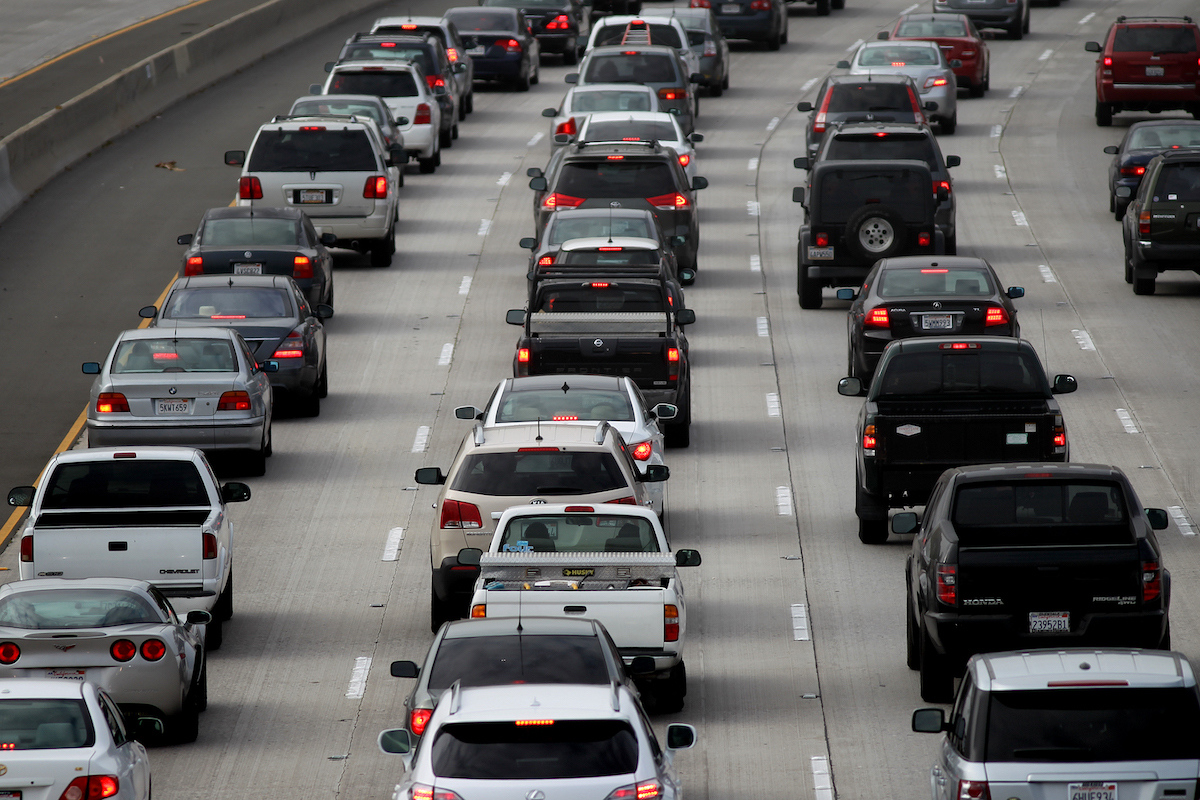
1161, 227
857, 212
622, 175
895, 140
862, 98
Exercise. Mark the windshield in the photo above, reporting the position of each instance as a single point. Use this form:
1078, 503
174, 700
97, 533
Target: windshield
539, 473
606, 297
228, 302
390, 51
472, 20
1157, 137
1154, 39
898, 57
250, 232
660, 33
1053, 513
883, 146
174, 355
611, 100
616, 257
631, 131
499, 660
962, 372
44, 724
867, 96
631, 68
318, 150
1178, 182
842, 192
338, 107
640, 178
128, 483
565, 406
932, 27
565, 228
552, 749
578, 533
75, 608
934, 281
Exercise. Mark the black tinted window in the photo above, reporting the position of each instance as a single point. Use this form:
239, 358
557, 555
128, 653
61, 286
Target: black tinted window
631, 68
934, 281
609, 298
887, 147
1141, 39
564, 228
617, 179
659, 34
472, 20
127, 483
313, 150
1179, 182
45, 724
962, 372
870, 97
1050, 513
564, 749
498, 660
339, 107
631, 131
574, 404
611, 258
531, 473
391, 51
1077, 724
251, 232
380, 84
842, 192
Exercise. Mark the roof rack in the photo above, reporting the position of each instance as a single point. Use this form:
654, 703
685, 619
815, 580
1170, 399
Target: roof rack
617, 143
585, 271
290, 117
1153, 17
602, 429
637, 32
477, 431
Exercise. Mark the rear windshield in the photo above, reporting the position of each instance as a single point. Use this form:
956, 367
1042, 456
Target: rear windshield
659, 34
565, 406
472, 20
563, 229
560, 749
84, 607
44, 724
1117, 724
1164, 136
1152, 39
514, 474
631, 131
1178, 182
340, 107
578, 533
499, 660
174, 355
1053, 513
867, 96
390, 51
842, 192
888, 147
632, 68
251, 232
128, 483
932, 27
934, 281
641, 178
229, 303
608, 298
613, 258
412, 28
963, 372
898, 57
319, 150
611, 100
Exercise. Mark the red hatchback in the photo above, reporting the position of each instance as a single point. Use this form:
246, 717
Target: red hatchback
957, 37
1148, 64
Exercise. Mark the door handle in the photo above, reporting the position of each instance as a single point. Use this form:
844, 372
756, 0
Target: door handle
575, 609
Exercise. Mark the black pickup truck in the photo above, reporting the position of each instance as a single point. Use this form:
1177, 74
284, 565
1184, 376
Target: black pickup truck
941, 402
1030, 556
611, 325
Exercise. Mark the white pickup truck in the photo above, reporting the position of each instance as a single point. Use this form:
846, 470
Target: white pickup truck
156, 514
606, 562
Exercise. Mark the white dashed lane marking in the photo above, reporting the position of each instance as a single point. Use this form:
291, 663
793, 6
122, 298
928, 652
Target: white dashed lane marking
752, 208
421, 440
1126, 420
1045, 56
358, 677
465, 286
800, 632
773, 123
1181, 520
772, 404
996, 131
857, 43
1087, 19
755, 264
1016, 92
808, 84
822, 780
752, 164
1085, 341
764, 327
1019, 219
447, 354
485, 225
391, 548
504, 179
537, 137
1047, 274
783, 500
1001, 172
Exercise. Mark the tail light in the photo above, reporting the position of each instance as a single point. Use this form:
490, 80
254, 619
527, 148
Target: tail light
967, 53
420, 791
91, 787
869, 441
996, 315
974, 790
523, 355
418, 718
672, 94
110, 402
452, 53
479, 611
947, 593
670, 623
877, 318
700, 4
433, 81
641, 451
684, 160
512, 46
672, 354
153, 650
822, 113
557, 200
932, 82
302, 267
760, 5
27, 549
9, 653
569, 127
545, 261
1011, 2
422, 117
649, 789
624, 501
375, 188
1060, 432
1151, 581
1144, 223
917, 110
1107, 61
668, 202
923, 239
822, 240
1133, 170
249, 188
234, 401
460, 515
123, 650
561, 22
710, 47
208, 542
194, 266
292, 346
941, 185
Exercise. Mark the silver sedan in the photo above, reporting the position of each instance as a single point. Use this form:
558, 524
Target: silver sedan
189, 387
922, 61
120, 635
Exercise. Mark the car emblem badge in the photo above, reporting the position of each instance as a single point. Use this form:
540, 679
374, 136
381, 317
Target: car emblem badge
537, 501
937, 304
870, 117
599, 343
64, 648
172, 390
536, 794
247, 254
908, 430
312, 176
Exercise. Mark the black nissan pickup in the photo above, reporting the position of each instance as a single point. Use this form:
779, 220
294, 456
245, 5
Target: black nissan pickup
941, 402
1015, 557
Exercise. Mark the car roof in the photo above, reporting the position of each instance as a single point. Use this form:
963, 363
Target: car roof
632, 116
923, 344
887, 77
348, 122
904, 43
155, 452
503, 438
538, 701
594, 242
610, 87
881, 127
914, 262
436, 21
376, 66
612, 509
619, 49
932, 17
36, 584
1152, 123
30, 688
525, 626
206, 281
1081, 668
1056, 470
603, 149
247, 212
1182, 154
408, 37
870, 165
1154, 19
168, 332
625, 19
542, 382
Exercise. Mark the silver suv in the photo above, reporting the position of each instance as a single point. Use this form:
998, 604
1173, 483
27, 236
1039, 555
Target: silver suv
1071, 724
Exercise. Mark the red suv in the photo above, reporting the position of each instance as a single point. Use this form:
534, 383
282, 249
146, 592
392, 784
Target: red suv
1148, 64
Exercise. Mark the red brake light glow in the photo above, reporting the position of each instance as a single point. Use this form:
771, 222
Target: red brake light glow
512, 46
312, 127
561, 22
537, 450
110, 402
668, 202
9, 653
616, 158
525, 723
580, 509
960, 346
684, 160
568, 127
877, 318
91, 787
869, 441
1107, 61
123, 650
610, 250
1133, 170
376, 187
302, 267
292, 346
418, 718
234, 401
557, 200
387, 44
250, 188
153, 650
408, 27
923, 239
600, 284
565, 418
195, 266
822, 114
523, 355
996, 315
947, 584
822, 240
672, 354
934, 271
973, 790
641, 451
545, 261
624, 501
460, 515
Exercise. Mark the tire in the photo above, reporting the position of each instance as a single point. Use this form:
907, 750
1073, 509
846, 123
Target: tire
198, 695
310, 406
775, 41
873, 531
680, 434
987, 79
937, 681
950, 125
725, 85
256, 461
462, 109
381, 254
214, 635
185, 726
822, 8
1025, 27
1017, 32
1112, 202
1128, 266
669, 692
809, 289
875, 231
912, 643
1165, 642
521, 84
1119, 210
427, 165
399, 182
1143, 285
439, 611
437, 158
454, 131
223, 609
536, 68
571, 54
323, 382
269, 450
445, 138
952, 245
976, 89
1104, 114
784, 34
837, 5
715, 90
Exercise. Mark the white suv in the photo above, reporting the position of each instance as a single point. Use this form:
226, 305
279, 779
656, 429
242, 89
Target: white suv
335, 169
667, 31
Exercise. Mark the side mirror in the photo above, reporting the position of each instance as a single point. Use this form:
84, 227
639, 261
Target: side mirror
955, 63
235, 158
329, 239
184, 239
930, 106
572, 77
904, 522
323, 311
148, 729
685, 316
315, 88
1158, 518
397, 156
695, 138
850, 387
329, 66
395, 741
800, 162
550, 112
687, 276
699, 183
953, 161
515, 316
402, 121
538, 184
528, 243
91, 368
234, 492
804, 106
459, 68
535, 172
843, 64
439, 90
846, 294
405, 669
665, 411
270, 366
655, 473
429, 476
680, 239
469, 556
1013, 292
641, 665
942, 194
687, 558
695, 77
198, 617
929, 720
1064, 384
1093, 47
468, 412
882, 36
21, 496
562, 138
680, 737
1124, 191
798, 194
676, 111
147, 312
1111, 150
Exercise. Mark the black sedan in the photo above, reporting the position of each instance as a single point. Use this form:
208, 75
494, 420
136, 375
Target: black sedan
709, 45
272, 315
262, 241
561, 26
1142, 142
500, 43
918, 296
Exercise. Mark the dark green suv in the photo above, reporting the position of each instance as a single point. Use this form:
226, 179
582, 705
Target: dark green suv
1161, 227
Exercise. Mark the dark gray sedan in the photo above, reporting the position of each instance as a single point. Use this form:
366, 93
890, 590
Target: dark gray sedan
1009, 15
272, 315
709, 45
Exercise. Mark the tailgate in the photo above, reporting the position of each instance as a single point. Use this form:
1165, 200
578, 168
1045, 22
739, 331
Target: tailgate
963, 438
632, 344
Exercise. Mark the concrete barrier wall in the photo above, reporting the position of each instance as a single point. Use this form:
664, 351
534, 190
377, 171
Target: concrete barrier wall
33, 155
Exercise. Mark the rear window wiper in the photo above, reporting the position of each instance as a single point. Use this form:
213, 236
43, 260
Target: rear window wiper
558, 490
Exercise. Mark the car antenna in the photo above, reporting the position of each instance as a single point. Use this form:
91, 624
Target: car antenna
565, 388
231, 280
611, 206
538, 438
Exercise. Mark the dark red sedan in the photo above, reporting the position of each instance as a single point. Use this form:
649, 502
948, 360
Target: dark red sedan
957, 37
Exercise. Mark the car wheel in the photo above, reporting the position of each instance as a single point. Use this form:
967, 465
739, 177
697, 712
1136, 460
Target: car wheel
471, 103
256, 461
987, 79
437, 157
571, 53
1025, 27
1128, 266
912, 643
1103, 114
445, 138
937, 681
976, 89
952, 245
783, 36
872, 531
725, 85
809, 289
1112, 202
427, 165
950, 125
875, 231
185, 727
715, 90
223, 609
822, 8
1165, 642
1017, 31
380, 255
214, 635
851, 362
323, 383
310, 406
669, 693
535, 71
439, 611
198, 695
1143, 285
774, 42
454, 131
680, 434
837, 5
1119, 210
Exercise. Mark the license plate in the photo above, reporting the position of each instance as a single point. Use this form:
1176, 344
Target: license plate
1100, 790
64, 674
1154, 72
936, 322
477, 51
172, 406
731, 8
815, 253
1016, 438
1050, 622
247, 269
10, 795
313, 196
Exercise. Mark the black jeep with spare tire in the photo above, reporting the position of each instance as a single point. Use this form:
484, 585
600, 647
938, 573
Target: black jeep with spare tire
857, 212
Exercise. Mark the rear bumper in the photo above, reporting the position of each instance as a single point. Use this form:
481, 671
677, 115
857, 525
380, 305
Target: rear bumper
557, 42
244, 434
1155, 95
664, 660
372, 226
505, 68
656, 396
757, 26
453, 582
419, 140
908, 486
154, 686
1170, 256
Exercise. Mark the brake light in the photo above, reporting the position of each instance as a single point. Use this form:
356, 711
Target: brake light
459, 515
110, 402
822, 240
9, 653
250, 188
1133, 170
512, 46
920, 115
960, 346
923, 239
123, 650
545, 261
947, 590
408, 27
27, 548
1107, 61
869, 441
376, 187
433, 81
700, 4
649, 789
670, 623
523, 355
302, 267
610, 250
558, 200
1151, 581
968, 53
292, 346
996, 315
684, 160
194, 266
422, 117
600, 284
1144, 223
565, 418
420, 791
672, 94
668, 202
569, 127
760, 5
641, 451
452, 53
387, 44
934, 271
153, 649
1060, 436
975, 790
822, 114
672, 354
579, 510
941, 185
877, 318
418, 718
561, 22
624, 501
234, 401
312, 127
208, 545
538, 450
932, 81
616, 158
91, 787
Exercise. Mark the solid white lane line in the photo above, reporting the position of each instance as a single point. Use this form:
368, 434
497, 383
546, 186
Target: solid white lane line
783, 500
1126, 420
1045, 56
808, 84
465, 286
911, 8
391, 548
485, 225
1181, 520
772, 404
504, 179
1047, 274
1016, 92
1019, 219
358, 677
857, 43
1001, 172
537, 137
447, 354
421, 440
800, 623
1085, 341
752, 165
755, 264
752, 208
996, 131
822, 781
764, 327
1087, 19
